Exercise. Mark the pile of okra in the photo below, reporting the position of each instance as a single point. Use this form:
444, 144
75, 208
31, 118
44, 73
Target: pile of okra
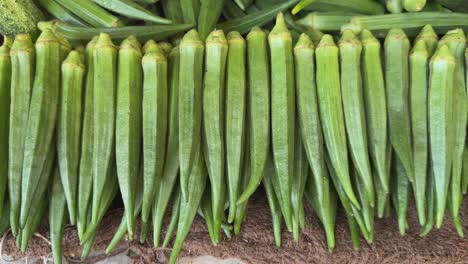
343, 120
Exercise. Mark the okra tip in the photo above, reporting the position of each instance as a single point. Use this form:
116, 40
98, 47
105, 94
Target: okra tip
349, 38
304, 42
153, 50
216, 36
280, 25
255, 32
22, 42
166, 47
427, 32
454, 35
420, 49
74, 59
148, 44
192, 37
234, 36
443, 54
104, 40
367, 37
47, 25
414, 5
326, 41
46, 36
131, 43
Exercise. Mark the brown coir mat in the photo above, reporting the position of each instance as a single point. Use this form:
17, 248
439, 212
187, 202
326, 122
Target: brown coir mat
255, 244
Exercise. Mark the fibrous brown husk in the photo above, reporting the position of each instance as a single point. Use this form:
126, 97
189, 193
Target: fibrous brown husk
256, 244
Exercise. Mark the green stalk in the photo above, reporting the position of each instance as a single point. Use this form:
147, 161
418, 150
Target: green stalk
397, 89
273, 202
401, 195
57, 217
5, 85
301, 172
357, 6
331, 111
61, 13
22, 76
91, 13
129, 8
210, 11
325, 21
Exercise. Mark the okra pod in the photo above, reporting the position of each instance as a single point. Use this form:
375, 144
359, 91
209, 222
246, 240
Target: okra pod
104, 108
86, 170
129, 8
190, 107
325, 21
69, 128
42, 116
419, 61
397, 89
355, 6
143, 33
353, 108
232, 11
235, 117
283, 110
301, 172
171, 164
414, 5
214, 120
394, 6
258, 108
190, 10
210, 11
430, 38
465, 171
376, 108
331, 112
400, 193
154, 125
5, 218
34, 220
456, 42
91, 13
430, 205
5, 84
57, 216
172, 9
255, 19
61, 12
441, 91
367, 210
174, 219
273, 202
241, 209
190, 203
128, 130
22, 77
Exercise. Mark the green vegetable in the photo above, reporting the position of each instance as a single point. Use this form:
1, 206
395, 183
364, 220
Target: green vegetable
171, 164
232, 11
128, 128
61, 12
19, 17
235, 117
283, 111
42, 117
57, 216
210, 11
104, 108
255, 19
5, 84
331, 112
353, 109
273, 202
190, 10
258, 108
358, 6
22, 76
174, 218
129, 8
154, 125
397, 88
172, 9
441, 91
394, 6
301, 172
91, 13
213, 120
400, 195
143, 33
86, 169
419, 61
324, 21
414, 5
244, 4
241, 209
34, 220
190, 107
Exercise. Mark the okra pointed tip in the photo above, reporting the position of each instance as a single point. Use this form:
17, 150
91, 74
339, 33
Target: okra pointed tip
420, 48
396, 33
280, 25
216, 36
443, 53
75, 59
348, 37
46, 36
104, 39
191, 36
304, 41
326, 41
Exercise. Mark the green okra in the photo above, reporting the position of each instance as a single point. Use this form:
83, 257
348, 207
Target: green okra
42, 117
213, 120
22, 77
5, 84
394, 6
190, 107
34, 220
206, 212
376, 108
166, 48
143, 33
430, 205
328, 21
69, 128
131, 9
232, 11
210, 11
128, 130
258, 108
190, 10
172, 9
414, 5
397, 90
190, 203
400, 194
419, 61
91, 13
456, 42
174, 219
441, 91
331, 111
88, 246
104, 108
171, 164
5, 218
430, 38
61, 12
465, 171
255, 19
283, 110
367, 210
358, 6
236, 101
86, 170
301, 172
244, 4
276, 216
310, 126
353, 108
57, 216
241, 209
154, 125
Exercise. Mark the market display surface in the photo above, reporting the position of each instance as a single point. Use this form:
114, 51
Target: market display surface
323, 111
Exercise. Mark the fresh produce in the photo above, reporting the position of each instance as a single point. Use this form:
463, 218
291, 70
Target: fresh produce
19, 17
5, 83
